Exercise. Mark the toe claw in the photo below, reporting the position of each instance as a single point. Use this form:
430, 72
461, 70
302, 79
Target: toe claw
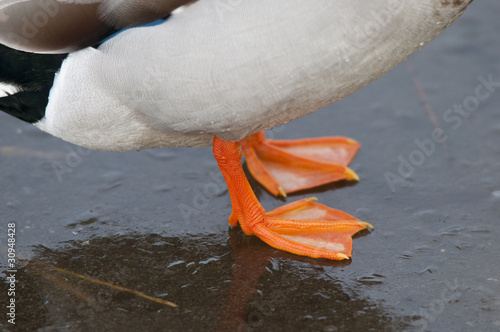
351, 175
282, 191
366, 224
342, 256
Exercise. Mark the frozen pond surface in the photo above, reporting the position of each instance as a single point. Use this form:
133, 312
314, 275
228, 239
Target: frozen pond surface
156, 221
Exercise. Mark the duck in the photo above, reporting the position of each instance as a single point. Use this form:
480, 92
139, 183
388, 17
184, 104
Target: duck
132, 75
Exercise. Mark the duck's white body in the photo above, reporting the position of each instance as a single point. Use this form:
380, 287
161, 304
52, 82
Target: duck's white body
232, 68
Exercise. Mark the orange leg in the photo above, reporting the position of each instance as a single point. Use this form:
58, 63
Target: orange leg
283, 166
304, 227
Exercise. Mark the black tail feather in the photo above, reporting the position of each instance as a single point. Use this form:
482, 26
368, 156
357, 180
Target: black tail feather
33, 74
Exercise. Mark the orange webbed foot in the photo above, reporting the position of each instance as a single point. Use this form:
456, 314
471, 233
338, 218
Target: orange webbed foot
304, 227
286, 166
310, 229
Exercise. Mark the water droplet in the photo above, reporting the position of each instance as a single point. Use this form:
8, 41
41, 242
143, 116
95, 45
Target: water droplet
428, 269
405, 255
175, 263
496, 194
373, 279
211, 259
479, 229
323, 295
421, 248
451, 231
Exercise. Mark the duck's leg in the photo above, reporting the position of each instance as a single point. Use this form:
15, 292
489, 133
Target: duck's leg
283, 166
303, 227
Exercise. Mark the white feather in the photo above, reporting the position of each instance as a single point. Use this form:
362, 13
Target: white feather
233, 68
